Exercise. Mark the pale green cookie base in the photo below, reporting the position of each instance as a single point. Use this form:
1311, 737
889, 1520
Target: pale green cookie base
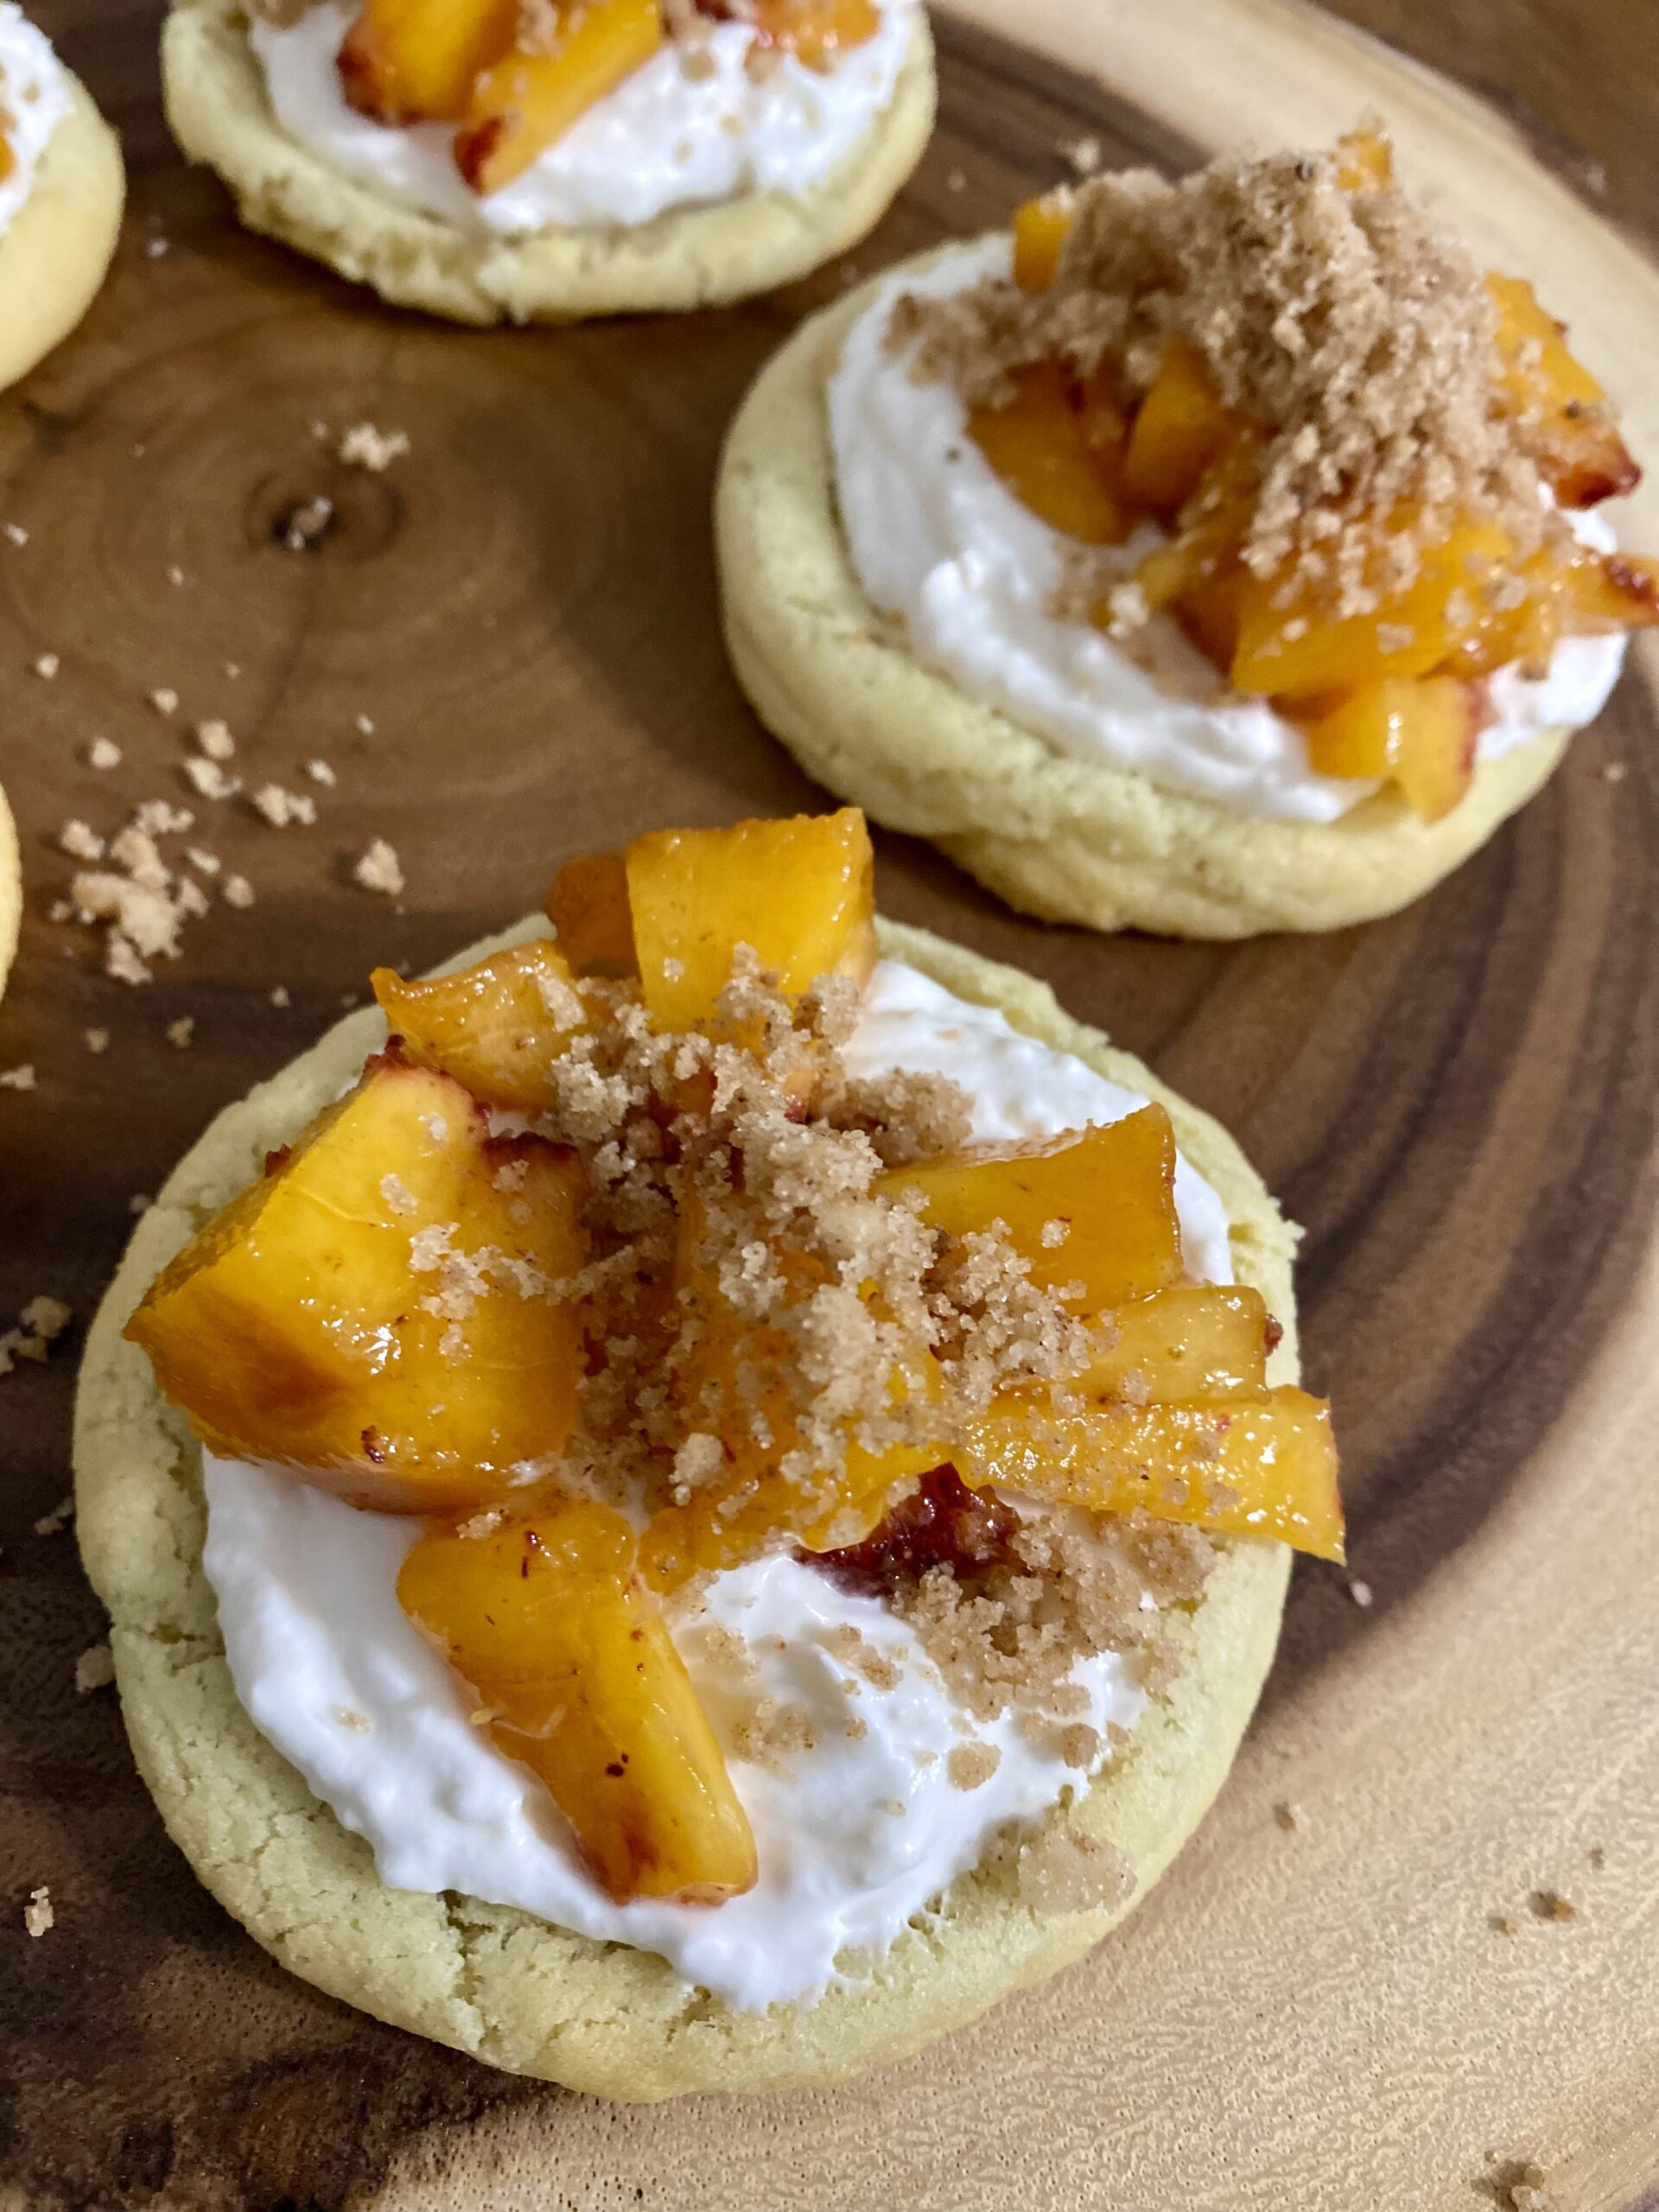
56, 248
687, 257
496, 1981
11, 889
1066, 839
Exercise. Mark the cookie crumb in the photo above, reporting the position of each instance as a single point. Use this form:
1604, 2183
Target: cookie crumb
237, 891
103, 752
181, 1034
364, 725
54, 1522
38, 1916
21, 1077
281, 807
94, 1669
1503, 1923
15, 533
214, 737
320, 772
1550, 1904
164, 699
1360, 1593
363, 446
175, 573
279, 994
96, 1040
208, 780
47, 666
1289, 1815
1517, 2185
378, 870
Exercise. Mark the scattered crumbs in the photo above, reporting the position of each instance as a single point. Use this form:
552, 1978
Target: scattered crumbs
279, 994
364, 724
281, 807
17, 535
80, 840
94, 1669
1615, 771
971, 1765
1361, 1594
1517, 2185
103, 753
96, 1040
201, 859
359, 1723
320, 772
21, 1077
365, 446
175, 573
378, 870
1084, 155
38, 1914
39, 1326
181, 1034
237, 891
1289, 1817
54, 1522
1597, 1856
46, 666
164, 700
1503, 1923
1550, 1904
232, 668
208, 780
214, 737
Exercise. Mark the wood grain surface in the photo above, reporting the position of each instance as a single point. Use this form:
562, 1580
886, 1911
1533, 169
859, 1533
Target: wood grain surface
1457, 1103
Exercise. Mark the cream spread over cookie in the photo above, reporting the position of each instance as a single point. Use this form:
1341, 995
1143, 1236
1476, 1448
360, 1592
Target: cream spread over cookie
882, 1787
670, 135
33, 100
941, 544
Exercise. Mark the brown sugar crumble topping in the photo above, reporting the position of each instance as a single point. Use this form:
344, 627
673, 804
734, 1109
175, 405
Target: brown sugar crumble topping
1359, 341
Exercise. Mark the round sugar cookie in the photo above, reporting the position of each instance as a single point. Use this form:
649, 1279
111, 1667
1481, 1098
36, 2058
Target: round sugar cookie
685, 258
56, 248
12, 890
1066, 839
497, 1981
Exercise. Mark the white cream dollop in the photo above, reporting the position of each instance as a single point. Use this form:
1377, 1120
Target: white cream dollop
33, 100
667, 137
939, 541
855, 1836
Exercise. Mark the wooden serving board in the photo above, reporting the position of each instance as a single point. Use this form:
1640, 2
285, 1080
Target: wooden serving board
1459, 1103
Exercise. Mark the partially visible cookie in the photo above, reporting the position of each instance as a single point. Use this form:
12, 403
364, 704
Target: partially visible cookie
690, 256
11, 889
1064, 838
515, 1990
55, 250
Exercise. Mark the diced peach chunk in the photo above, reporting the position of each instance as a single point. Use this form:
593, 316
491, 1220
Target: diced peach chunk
1095, 1209
416, 61
1581, 455
496, 1027
1037, 444
1194, 1342
1181, 429
589, 909
1039, 229
545, 1619
816, 32
525, 101
799, 894
1422, 733
1296, 649
1364, 159
1264, 1466
373, 1313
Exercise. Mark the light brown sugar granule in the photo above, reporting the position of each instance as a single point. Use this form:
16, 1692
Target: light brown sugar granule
21, 1077
38, 1916
971, 1765
772, 1733
363, 446
1341, 319
94, 1669
377, 869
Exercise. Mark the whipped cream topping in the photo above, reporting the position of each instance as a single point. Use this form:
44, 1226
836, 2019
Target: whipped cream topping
855, 1836
667, 137
33, 100
937, 540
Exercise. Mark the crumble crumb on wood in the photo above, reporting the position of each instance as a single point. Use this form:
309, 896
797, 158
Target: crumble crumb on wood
208, 780
1517, 2185
1503, 1923
46, 666
15, 533
364, 725
174, 573
96, 1040
378, 870
140, 1202
281, 807
1290, 1816
1597, 1856
279, 994
1360, 1593
21, 1077
94, 1669
1550, 1904
214, 737
320, 772
80, 840
164, 699
41, 1322
363, 446
237, 891
181, 1034
103, 753
54, 1522
38, 1916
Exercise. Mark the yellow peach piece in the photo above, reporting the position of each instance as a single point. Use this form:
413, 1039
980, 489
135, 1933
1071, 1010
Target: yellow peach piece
589, 909
416, 61
1364, 159
1039, 229
525, 101
1421, 733
496, 1027
800, 893
545, 1619
374, 1312
1038, 445
1262, 1465
1095, 1209
1581, 455
1181, 429
1194, 1342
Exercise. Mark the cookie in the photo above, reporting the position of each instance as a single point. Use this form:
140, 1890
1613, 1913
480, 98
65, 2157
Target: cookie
1068, 839
686, 258
496, 1981
55, 250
